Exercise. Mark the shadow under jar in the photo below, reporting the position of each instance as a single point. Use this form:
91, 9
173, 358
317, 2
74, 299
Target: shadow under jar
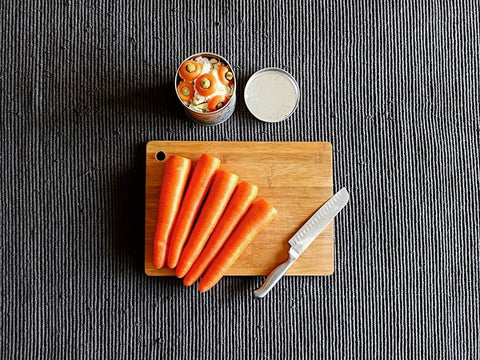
200, 113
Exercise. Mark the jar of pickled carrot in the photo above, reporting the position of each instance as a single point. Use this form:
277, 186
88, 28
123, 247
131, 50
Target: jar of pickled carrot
205, 84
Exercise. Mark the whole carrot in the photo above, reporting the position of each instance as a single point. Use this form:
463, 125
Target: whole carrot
257, 217
200, 181
220, 193
175, 176
241, 200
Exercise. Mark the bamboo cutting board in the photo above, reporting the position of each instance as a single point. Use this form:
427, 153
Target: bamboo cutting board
295, 177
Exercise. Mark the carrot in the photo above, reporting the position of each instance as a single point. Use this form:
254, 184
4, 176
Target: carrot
206, 84
185, 91
257, 217
219, 194
190, 70
241, 200
197, 189
175, 177
225, 75
217, 102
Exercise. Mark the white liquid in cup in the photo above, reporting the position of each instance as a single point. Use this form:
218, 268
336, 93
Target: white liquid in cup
271, 95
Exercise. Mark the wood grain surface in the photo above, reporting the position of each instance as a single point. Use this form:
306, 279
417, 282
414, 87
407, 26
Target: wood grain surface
295, 177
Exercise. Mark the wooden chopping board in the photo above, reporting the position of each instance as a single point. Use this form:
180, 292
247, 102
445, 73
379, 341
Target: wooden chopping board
295, 177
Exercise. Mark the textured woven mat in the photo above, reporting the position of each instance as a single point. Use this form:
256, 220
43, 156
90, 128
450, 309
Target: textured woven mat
395, 88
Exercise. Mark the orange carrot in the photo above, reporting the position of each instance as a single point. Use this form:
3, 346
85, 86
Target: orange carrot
217, 102
174, 180
201, 179
219, 194
257, 217
185, 91
241, 200
225, 75
189, 70
206, 84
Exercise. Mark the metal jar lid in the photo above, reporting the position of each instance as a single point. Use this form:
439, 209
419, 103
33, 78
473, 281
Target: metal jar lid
271, 94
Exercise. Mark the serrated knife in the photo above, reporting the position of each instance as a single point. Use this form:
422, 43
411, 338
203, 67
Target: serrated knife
304, 237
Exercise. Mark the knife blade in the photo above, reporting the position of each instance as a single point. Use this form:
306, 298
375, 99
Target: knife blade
304, 237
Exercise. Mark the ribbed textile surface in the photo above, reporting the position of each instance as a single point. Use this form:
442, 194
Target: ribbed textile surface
393, 85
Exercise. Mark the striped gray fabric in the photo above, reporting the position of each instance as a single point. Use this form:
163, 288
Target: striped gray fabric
393, 85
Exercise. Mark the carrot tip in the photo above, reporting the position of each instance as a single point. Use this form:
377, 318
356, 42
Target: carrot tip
187, 281
203, 288
180, 272
157, 264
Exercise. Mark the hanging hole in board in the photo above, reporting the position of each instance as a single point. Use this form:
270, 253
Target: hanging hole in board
160, 156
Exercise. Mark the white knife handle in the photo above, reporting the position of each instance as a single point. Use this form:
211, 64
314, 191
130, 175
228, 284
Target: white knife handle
274, 277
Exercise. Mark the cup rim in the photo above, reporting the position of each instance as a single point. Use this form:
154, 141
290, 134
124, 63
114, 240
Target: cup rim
271, 69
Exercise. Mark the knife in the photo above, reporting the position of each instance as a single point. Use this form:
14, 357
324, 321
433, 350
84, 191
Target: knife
304, 237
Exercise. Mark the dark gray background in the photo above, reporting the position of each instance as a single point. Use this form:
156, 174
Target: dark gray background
394, 87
